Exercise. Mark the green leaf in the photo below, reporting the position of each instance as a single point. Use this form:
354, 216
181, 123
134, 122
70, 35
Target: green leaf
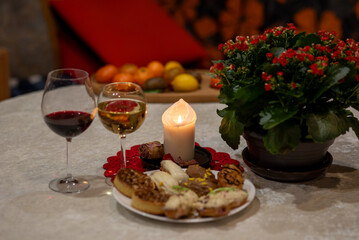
307, 40
283, 137
222, 112
335, 73
354, 124
247, 112
226, 94
271, 117
231, 129
271, 68
240, 95
277, 51
249, 93
327, 126
296, 37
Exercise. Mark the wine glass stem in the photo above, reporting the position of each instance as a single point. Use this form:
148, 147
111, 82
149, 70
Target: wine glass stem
123, 149
68, 166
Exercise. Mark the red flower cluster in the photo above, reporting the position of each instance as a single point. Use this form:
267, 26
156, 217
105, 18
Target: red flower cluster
315, 70
217, 68
314, 58
266, 77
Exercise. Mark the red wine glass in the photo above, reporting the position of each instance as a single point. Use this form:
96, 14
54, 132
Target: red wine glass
68, 107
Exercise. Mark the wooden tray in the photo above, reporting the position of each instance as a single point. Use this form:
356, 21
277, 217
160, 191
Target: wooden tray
204, 94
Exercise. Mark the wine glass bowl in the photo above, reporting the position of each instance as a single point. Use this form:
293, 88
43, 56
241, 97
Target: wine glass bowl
122, 109
68, 108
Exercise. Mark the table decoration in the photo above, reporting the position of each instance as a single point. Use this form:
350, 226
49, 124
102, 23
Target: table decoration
289, 88
179, 130
133, 160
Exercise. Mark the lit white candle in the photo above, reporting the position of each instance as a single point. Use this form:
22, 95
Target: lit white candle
179, 126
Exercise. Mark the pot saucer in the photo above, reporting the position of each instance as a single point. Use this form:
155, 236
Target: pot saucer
202, 156
288, 176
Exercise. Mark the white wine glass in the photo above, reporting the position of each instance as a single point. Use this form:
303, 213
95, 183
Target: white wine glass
68, 107
122, 109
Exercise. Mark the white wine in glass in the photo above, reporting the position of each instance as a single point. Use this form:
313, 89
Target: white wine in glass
122, 109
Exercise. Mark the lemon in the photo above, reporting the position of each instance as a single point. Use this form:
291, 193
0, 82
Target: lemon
185, 82
173, 64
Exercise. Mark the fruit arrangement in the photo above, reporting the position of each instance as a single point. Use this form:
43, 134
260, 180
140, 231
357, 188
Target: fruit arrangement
155, 77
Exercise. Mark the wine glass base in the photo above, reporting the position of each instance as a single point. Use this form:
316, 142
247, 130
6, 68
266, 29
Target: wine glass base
108, 181
69, 185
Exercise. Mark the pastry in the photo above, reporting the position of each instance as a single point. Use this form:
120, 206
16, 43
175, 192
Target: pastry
200, 186
149, 201
128, 179
151, 155
196, 171
200, 180
220, 201
164, 181
151, 151
230, 176
174, 170
181, 204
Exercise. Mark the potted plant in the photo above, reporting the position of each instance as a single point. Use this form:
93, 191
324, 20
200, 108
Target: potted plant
287, 88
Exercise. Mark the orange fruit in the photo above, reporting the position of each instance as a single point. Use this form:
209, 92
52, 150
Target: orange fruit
142, 75
123, 77
128, 68
156, 68
106, 73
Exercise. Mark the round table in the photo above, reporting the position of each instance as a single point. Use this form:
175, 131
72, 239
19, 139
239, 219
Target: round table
32, 155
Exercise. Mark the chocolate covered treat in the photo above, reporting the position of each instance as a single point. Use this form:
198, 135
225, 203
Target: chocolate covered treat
196, 171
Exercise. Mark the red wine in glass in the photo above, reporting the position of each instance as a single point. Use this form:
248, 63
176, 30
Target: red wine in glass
68, 107
68, 124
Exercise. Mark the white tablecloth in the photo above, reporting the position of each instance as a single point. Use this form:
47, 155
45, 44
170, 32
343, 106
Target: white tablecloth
31, 155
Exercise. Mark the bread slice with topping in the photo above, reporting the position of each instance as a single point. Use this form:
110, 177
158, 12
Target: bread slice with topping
181, 204
220, 201
149, 201
127, 180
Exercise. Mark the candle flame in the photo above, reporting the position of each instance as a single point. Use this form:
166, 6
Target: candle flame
179, 120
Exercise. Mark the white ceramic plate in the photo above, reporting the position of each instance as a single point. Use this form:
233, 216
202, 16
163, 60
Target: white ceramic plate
126, 202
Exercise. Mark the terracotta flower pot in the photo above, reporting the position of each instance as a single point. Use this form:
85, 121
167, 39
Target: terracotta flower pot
308, 160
